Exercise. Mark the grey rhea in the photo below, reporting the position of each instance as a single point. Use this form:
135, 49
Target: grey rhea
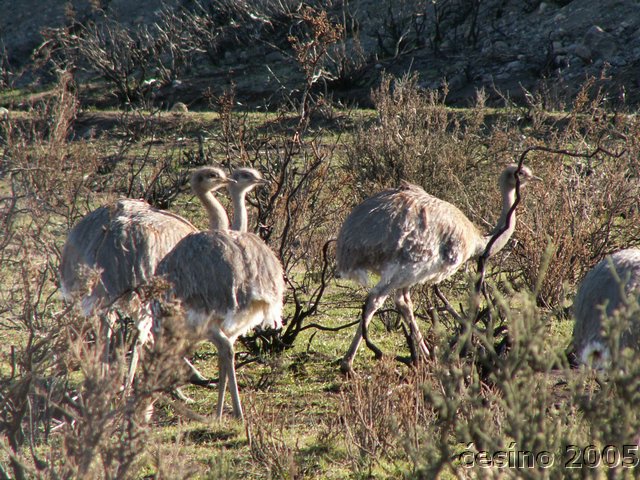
607, 289
124, 242
227, 282
242, 181
407, 236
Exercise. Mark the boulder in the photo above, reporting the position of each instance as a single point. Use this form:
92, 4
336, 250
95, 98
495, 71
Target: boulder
601, 43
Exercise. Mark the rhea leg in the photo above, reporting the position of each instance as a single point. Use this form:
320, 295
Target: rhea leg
405, 306
374, 301
222, 381
107, 321
144, 323
227, 372
233, 387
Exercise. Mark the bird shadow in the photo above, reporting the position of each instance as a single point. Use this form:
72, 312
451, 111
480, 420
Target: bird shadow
226, 437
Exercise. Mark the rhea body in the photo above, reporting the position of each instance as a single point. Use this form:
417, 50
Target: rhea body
228, 282
124, 243
407, 236
607, 289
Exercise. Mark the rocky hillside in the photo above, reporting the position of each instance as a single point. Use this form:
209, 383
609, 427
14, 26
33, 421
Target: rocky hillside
509, 48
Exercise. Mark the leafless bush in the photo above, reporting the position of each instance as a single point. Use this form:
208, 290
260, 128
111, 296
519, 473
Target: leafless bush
415, 138
59, 416
223, 25
403, 28
269, 445
591, 186
58, 395
136, 61
408, 25
381, 411
6, 71
44, 165
588, 222
316, 34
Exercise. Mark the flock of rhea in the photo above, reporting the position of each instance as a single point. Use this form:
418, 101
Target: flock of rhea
228, 280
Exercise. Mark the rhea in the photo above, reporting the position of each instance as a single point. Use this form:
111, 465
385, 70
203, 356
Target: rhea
241, 182
227, 282
407, 236
124, 243
608, 289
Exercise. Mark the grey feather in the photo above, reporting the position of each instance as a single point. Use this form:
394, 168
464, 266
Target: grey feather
404, 226
220, 272
228, 282
125, 241
407, 236
603, 292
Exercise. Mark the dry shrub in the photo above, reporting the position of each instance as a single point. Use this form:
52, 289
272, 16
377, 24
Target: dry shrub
415, 138
48, 169
311, 45
269, 443
587, 204
489, 402
384, 413
581, 215
62, 397
528, 400
59, 417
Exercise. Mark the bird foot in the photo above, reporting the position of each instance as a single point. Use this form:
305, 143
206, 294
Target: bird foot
346, 368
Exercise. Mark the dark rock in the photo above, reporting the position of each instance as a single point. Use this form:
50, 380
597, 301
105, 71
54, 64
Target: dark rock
601, 43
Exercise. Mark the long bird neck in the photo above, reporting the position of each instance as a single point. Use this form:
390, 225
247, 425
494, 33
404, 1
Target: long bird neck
218, 219
240, 218
508, 199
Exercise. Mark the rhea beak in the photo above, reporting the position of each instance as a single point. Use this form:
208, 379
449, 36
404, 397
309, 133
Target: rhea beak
529, 177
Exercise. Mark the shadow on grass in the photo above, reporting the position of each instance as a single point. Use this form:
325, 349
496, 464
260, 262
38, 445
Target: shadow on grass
228, 438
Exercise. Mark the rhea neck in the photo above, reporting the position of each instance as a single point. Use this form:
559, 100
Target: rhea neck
508, 199
218, 219
238, 199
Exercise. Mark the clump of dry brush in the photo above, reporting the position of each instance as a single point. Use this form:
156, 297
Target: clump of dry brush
53, 391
